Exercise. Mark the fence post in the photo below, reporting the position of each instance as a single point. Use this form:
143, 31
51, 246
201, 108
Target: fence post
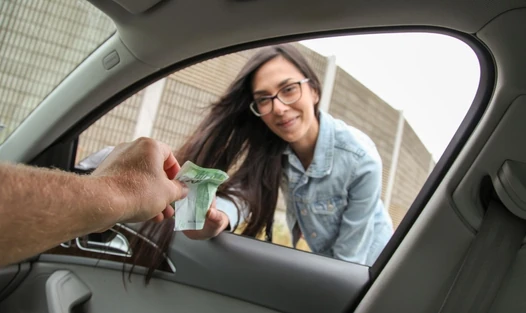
394, 159
328, 84
148, 109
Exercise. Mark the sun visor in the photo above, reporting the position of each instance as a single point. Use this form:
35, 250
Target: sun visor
510, 185
137, 6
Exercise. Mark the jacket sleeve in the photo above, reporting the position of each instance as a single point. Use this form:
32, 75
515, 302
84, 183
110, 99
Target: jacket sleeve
235, 216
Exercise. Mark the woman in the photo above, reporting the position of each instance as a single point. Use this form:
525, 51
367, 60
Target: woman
267, 132
268, 127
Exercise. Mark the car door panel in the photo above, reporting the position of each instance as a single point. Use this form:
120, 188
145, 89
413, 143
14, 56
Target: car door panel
109, 294
230, 273
282, 278
11, 277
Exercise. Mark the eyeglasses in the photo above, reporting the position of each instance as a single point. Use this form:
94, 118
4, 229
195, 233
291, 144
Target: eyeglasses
287, 95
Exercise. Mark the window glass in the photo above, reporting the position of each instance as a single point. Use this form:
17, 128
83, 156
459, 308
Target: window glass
390, 103
41, 42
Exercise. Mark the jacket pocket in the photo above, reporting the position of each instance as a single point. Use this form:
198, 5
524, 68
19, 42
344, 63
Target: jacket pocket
331, 206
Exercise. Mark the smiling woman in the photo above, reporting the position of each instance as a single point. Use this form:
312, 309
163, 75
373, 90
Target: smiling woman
41, 42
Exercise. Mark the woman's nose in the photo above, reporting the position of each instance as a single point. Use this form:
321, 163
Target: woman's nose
278, 107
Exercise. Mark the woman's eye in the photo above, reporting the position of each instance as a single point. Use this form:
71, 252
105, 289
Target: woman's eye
290, 89
262, 101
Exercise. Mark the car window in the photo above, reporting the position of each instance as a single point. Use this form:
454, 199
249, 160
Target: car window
393, 102
41, 42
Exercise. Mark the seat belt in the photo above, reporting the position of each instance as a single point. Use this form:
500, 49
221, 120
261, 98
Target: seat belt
487, 261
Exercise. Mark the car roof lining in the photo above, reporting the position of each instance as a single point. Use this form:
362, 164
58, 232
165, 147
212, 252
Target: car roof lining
156, 36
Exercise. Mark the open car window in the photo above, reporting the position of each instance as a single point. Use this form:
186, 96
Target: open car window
409, 125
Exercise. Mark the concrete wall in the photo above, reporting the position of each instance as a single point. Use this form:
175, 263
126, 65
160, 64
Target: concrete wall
115, 127
413, 170
181, 109
69, 30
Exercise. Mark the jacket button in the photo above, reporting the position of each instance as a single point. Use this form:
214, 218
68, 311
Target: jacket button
304, 212
314, 235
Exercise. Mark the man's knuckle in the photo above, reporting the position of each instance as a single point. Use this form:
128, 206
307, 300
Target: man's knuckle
142, 139
146, 142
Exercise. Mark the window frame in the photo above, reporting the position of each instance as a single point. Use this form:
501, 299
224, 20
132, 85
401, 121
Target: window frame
470, 121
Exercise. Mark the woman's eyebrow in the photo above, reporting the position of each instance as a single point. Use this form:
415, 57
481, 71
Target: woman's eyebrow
284, 82
281, 84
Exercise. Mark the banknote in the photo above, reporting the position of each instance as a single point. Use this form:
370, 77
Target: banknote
190, 212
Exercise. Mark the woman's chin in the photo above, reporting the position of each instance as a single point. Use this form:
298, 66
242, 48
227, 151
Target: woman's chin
290, 138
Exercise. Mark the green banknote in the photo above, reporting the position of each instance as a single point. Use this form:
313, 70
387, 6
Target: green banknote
190, 212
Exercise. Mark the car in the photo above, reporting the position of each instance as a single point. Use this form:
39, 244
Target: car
457, 249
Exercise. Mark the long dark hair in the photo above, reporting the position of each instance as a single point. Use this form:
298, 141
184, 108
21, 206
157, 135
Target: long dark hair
232, 138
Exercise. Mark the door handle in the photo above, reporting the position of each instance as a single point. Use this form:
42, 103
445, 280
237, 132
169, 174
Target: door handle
118, 245
64, 290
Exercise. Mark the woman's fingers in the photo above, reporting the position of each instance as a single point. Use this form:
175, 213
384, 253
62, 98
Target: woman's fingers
216, 221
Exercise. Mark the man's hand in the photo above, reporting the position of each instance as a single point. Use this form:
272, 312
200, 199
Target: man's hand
41, 208
216, 221
142, 174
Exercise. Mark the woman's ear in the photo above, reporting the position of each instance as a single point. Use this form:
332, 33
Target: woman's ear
315, 96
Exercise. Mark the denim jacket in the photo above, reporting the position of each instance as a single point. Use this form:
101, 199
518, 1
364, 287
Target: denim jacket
336, 202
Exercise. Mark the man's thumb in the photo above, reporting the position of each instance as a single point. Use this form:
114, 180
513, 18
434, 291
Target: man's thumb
180, 191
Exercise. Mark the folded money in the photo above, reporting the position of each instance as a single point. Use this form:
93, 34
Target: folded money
190, 212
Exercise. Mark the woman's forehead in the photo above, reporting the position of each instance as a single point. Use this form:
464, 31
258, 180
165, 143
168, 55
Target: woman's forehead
273, 73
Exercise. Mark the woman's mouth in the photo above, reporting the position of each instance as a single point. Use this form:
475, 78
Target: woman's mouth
288, 122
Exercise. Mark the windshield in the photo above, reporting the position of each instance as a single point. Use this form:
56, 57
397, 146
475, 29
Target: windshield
41, 42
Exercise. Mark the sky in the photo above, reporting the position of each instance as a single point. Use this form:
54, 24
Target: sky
433, 78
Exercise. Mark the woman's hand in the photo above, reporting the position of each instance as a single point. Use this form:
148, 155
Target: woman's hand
216, 221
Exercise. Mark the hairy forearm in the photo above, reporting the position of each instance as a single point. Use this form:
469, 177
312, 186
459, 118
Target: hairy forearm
40, 208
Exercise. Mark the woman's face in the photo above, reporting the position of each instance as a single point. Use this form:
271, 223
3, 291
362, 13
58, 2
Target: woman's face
294, 122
